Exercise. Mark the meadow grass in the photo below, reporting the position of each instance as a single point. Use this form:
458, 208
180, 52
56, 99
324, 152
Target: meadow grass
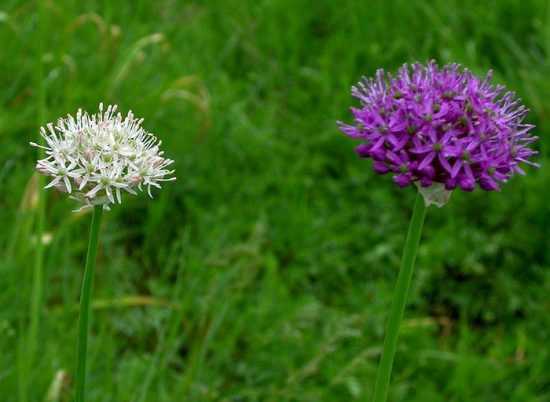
265, 272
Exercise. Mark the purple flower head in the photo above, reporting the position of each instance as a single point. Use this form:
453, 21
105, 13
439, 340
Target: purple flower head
441, 125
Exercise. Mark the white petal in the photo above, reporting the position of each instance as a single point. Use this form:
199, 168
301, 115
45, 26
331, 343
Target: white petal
67, 184
53, 182
34, 144
93, 191
109, 194
83, 183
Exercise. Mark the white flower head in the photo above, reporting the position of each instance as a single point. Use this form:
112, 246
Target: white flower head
96, 157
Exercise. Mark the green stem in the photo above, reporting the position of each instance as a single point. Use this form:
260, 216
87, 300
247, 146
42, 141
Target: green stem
399, 300
38, 267
37, 280
85, 296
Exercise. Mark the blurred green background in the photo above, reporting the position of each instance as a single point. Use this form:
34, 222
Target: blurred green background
265, 272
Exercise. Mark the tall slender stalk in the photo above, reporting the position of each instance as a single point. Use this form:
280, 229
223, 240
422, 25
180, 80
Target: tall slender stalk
85, 296
38, 266
400, 295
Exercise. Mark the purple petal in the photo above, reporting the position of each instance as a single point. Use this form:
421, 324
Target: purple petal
402, 180
380, 167
456, 168
426, 161
466, 183
488, 184
444, 163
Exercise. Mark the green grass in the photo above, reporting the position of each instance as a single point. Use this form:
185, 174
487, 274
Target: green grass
265, 272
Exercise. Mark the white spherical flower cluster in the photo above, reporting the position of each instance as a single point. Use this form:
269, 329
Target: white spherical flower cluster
96, 157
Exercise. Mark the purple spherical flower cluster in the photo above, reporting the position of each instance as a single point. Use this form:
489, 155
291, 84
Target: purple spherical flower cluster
441, 125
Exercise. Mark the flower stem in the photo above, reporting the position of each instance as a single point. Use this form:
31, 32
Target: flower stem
399, 300
85, 296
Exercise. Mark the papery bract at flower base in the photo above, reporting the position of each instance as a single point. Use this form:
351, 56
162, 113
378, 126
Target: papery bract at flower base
430, 125
436, 194
95, 157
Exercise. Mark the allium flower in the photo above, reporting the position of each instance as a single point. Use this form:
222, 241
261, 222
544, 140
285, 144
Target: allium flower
96, 157
429, 125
